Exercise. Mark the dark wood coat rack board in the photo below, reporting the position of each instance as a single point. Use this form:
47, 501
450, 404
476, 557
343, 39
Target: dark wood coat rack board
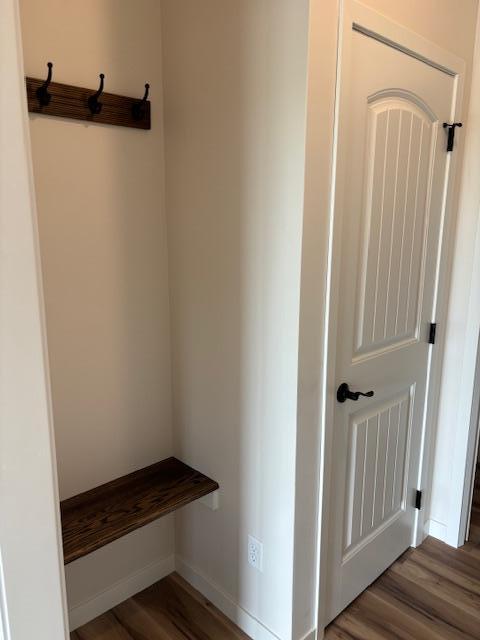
99, 516
68, 101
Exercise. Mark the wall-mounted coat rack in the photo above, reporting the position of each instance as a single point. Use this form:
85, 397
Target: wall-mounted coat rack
92, 105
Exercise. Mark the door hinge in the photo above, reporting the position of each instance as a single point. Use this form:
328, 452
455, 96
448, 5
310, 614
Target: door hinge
451, 133
432, 333
418, 499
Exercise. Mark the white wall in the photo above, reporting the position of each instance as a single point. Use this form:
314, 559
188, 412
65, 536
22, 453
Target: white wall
458, 419
104, 258
318, 168
235, 88
216, 180
31, 580
448, 24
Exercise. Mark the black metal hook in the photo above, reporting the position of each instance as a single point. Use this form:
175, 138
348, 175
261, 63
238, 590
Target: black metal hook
43, 95
93, 103
138, 108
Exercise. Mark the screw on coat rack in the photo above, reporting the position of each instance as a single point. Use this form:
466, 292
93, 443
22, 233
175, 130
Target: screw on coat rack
138, 108
43, 94
94, 104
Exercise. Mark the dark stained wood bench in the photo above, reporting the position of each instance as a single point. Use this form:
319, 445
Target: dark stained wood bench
97, 517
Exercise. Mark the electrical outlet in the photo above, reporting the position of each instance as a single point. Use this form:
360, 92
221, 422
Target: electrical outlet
255, 553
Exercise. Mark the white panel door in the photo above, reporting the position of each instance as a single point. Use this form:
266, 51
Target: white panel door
393, 167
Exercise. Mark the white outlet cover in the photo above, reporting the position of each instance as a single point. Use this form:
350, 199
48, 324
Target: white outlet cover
255, 553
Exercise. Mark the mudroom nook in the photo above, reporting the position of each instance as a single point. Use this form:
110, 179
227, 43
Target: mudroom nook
239, 319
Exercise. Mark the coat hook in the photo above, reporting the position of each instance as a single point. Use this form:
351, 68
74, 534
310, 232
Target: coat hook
138, 107
93, 103
43, 95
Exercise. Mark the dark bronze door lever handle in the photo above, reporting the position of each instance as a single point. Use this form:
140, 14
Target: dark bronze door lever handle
344, 393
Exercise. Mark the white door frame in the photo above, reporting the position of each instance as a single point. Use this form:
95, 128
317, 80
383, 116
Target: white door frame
32, 590
460, 387
411, 43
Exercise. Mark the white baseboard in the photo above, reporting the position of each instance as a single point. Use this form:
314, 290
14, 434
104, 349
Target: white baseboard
311, 635
224, 601
436, 530
120, 591
136, 582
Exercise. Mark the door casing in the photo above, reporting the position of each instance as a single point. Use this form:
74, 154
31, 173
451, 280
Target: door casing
351, 14
31, 559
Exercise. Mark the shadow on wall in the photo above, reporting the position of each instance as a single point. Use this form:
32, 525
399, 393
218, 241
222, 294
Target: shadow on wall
235, 76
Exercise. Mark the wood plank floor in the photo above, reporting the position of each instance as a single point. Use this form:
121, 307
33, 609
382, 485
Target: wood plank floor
169, 610
430, 593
